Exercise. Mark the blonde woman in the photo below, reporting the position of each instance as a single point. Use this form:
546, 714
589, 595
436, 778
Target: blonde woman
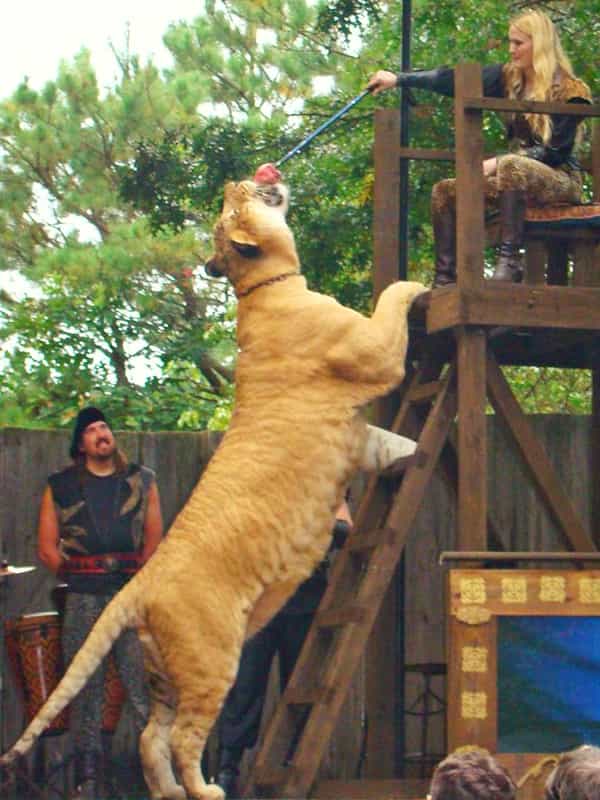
540, 168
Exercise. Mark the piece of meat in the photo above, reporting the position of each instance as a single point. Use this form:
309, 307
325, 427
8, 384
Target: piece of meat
267, 173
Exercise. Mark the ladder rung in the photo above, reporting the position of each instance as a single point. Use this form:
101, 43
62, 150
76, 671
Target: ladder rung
341, 616
274, 776
424, 392
400, 465
298, 696
364, 542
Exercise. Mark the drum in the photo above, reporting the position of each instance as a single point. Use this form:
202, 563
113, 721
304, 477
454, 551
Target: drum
34, 648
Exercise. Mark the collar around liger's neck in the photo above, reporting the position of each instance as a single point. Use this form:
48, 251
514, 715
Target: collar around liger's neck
266, 282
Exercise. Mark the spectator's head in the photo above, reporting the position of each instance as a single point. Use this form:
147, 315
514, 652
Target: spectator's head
471, 774
93, 440
576, 775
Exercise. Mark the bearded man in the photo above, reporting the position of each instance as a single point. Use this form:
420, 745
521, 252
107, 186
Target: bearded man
100, 520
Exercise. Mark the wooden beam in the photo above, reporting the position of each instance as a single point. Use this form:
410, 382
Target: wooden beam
535, 260
595, 453
515, 555
596, 160
515, 306
472, 439
422, 154
479, 103
382, 672
536, 460
386, 200
470, 236
406, 789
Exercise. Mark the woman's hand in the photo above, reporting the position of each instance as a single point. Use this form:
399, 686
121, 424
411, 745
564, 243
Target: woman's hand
381, 81
489, 167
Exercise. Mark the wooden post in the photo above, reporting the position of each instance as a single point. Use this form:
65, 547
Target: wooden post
382, 674
469, 178
596, 159
471, 343
472, 440
386, 200
595, 455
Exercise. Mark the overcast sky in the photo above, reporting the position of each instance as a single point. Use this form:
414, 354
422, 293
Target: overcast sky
36, 34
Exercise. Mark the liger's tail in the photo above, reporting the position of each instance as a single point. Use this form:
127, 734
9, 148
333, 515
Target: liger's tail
121, 613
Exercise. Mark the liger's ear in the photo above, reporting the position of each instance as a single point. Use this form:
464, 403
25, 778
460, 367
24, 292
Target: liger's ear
245, 244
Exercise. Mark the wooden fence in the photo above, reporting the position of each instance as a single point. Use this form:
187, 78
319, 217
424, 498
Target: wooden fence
28, 457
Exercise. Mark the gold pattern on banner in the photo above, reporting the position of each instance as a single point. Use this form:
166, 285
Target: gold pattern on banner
472, 590
553, 589
474, 705
473, 615
514, 590
474, 659
589, 590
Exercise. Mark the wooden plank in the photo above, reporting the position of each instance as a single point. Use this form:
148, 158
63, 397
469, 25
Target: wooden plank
515, 555
383, 675
535, 458
449, 467
422, 154
336, 617
472, 439
445, 309
596, 159
516, 306
535, 262
400, 789
470, 236
585, 273
558, 263
424, 392
479, 103
545, 232
386, 200
595, 453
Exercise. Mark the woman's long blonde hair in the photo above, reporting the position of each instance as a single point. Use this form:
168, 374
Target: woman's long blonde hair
550, 63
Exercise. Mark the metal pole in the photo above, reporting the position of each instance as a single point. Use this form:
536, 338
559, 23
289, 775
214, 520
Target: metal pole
404, 138
308, 139
400, 581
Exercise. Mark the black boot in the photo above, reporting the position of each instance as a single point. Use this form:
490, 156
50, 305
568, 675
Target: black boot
512, 226
229, 770
87, 776
444, 241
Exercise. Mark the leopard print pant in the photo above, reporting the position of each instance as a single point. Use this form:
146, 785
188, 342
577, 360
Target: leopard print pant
543, 185
81, 612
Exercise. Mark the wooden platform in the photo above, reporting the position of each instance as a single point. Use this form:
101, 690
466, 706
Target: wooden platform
527, 326
408, 789
562, 307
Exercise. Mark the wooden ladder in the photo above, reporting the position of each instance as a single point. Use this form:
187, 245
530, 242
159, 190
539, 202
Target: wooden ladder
304, 720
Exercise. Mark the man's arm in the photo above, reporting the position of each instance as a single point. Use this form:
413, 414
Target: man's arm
343, 524
49, 534
153, 523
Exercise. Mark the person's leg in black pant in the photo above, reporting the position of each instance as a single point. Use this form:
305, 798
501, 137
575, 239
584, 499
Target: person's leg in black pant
295, 627
240, 717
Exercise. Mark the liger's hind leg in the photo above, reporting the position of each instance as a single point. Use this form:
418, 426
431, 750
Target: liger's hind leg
195, 718
155, 748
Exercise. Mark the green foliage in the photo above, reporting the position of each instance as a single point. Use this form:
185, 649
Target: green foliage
180, 178
551, 391
343, 17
